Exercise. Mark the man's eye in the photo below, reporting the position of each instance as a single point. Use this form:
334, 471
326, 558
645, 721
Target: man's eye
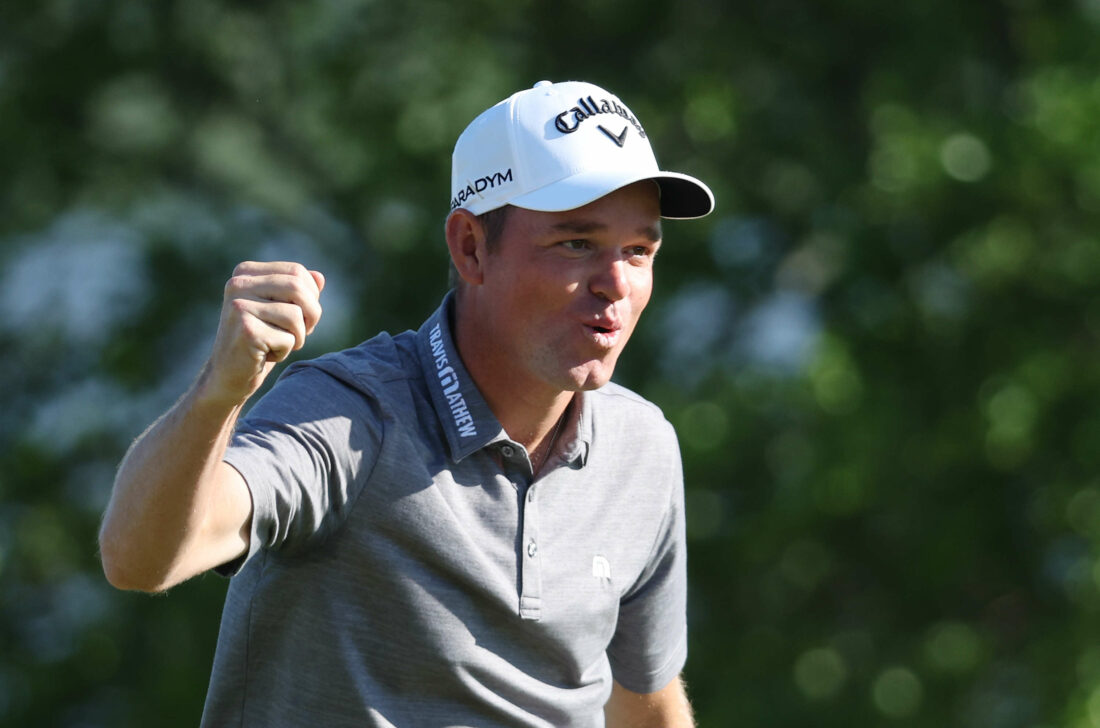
638, 250
577, 245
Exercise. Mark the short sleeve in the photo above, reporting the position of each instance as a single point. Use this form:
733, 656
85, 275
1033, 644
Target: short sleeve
649, 647
304, 450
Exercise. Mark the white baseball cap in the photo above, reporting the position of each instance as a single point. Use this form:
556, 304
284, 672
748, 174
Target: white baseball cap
559, 146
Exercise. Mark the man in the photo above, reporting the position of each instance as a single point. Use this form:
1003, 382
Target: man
464, 525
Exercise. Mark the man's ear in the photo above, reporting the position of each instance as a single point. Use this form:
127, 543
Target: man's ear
466, 243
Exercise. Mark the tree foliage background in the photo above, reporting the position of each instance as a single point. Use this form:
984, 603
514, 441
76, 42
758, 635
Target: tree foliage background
880, 351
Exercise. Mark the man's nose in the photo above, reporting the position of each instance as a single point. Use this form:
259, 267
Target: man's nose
610, 280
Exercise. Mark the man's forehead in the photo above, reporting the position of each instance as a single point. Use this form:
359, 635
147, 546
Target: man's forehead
587, 226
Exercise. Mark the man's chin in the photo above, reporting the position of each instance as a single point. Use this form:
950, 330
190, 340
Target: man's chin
590, 375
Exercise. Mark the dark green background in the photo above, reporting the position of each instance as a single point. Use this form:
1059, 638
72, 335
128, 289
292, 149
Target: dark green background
880, 351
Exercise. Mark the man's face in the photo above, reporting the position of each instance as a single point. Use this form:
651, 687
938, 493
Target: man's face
562, 291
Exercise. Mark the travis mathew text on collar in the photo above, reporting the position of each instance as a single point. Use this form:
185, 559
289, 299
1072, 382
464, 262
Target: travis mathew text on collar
448, 379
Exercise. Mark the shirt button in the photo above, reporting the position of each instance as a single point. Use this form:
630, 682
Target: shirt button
507, 451
532, 549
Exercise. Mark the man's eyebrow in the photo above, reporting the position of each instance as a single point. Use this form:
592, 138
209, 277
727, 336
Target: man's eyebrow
580, 227
584, 227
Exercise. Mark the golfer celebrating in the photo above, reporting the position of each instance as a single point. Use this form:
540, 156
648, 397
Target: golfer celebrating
465, 525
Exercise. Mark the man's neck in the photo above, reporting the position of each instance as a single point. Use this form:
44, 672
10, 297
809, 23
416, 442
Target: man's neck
528, 410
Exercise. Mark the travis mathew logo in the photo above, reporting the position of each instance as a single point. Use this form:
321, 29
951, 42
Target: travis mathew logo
479, 185
570, 120
448, 379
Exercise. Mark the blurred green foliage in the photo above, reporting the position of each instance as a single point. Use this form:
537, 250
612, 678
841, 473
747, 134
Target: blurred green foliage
880, 352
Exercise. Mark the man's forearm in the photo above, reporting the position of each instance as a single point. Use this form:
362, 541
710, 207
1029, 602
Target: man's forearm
667, 708
164, 493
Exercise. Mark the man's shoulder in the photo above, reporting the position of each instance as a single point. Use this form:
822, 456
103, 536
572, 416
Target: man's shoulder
617, 397
381, 359
615, 402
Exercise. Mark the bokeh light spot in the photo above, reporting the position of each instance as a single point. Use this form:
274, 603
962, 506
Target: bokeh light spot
953, 648
897, 692
965, 157
703, 426
820, 673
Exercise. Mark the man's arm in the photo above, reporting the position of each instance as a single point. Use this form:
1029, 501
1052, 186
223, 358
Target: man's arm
176, 509
666, 708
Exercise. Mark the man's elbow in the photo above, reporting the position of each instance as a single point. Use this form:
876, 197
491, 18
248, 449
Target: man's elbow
121, 571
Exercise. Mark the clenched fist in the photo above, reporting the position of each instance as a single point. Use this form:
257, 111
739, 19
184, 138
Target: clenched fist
267, 312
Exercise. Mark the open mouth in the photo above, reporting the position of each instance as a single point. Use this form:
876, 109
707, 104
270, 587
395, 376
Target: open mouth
604, 336
604, 328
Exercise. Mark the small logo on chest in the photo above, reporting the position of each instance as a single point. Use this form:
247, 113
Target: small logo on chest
601, 568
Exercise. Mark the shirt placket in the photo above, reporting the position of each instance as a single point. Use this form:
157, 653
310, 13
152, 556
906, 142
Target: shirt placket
530, 559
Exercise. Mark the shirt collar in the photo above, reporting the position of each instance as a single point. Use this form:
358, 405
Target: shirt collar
468, 422
576, 436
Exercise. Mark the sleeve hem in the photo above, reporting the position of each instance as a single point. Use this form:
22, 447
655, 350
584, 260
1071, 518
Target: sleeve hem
659, 677
232, 568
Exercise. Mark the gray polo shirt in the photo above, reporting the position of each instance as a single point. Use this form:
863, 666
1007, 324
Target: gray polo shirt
405, 569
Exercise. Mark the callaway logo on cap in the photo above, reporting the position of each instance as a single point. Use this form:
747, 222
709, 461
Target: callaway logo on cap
559, 146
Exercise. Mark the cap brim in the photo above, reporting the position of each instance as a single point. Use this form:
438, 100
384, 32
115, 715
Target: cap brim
682, 197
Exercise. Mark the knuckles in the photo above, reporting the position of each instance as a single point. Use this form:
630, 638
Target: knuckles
294, 278
243, 267
253, 287
236, 283
238, 305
